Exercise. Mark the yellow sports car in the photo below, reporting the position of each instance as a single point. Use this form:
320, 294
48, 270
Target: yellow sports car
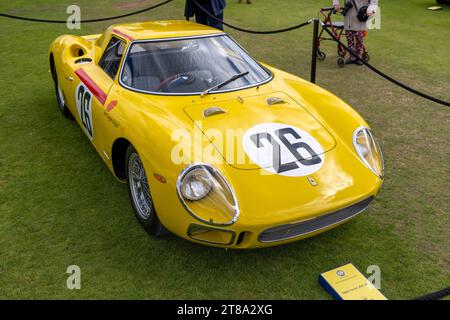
215, 147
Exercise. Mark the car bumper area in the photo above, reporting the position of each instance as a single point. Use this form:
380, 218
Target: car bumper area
303, 228
239, 236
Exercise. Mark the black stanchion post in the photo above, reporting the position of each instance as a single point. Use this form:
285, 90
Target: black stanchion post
314, 50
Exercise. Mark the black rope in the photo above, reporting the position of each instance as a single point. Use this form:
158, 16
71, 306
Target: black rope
436, 295
382, 74
87, 21
404, 86
247, 30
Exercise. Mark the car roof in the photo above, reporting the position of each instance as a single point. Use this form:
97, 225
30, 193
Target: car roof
161, 30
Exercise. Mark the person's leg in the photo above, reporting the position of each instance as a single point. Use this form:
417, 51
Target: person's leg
359, 45
214, 23
351, 45
200, 16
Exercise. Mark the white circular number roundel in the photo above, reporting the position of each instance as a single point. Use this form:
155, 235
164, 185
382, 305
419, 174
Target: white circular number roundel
283, 149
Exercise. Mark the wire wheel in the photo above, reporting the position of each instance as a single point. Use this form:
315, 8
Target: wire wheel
140, 191
60, 96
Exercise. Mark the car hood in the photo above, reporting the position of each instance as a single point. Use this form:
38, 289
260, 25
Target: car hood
230, 124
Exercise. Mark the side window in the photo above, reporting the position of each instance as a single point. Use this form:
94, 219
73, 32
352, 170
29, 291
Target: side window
110, 60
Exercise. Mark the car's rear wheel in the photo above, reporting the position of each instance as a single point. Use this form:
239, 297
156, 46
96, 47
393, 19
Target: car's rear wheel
140, 196
60, 98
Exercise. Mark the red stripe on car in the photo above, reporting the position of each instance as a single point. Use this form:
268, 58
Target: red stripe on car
92, 86
111, 105
123, 35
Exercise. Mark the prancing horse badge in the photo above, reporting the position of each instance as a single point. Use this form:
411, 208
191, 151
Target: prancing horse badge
312, 181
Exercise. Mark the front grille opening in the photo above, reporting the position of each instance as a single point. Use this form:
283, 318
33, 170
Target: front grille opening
240, 238
211, 235
244, 239
289, 231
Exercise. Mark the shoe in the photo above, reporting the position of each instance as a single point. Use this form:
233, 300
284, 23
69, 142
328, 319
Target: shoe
359, 63
350, 61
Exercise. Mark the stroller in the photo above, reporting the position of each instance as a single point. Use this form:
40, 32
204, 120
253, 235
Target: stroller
337, 28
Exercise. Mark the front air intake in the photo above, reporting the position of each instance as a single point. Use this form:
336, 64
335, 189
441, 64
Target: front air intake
289, 231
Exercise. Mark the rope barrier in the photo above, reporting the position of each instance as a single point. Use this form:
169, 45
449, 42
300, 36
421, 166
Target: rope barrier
87, 21
247, 30
382, 74
436, 295
379, 72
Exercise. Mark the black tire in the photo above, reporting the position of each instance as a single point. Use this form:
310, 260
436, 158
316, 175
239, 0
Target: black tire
149, 222
60, 99
443, 1
341, 62
321, 55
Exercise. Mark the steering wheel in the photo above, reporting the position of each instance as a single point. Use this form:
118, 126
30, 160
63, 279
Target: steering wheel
178, 79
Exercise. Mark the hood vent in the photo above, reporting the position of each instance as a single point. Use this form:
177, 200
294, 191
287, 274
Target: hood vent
274, 100
213, 111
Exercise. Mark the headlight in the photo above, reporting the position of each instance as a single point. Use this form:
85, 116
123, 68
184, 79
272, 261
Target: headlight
368, 150
196, 184
207, 196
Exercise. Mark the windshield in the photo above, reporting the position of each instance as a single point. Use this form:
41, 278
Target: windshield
189, 66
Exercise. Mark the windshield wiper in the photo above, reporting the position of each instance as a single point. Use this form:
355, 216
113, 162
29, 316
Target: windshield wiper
222, 84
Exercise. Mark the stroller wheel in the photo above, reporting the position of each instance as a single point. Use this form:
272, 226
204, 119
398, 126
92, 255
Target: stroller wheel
366, 57
321, 55
341, 62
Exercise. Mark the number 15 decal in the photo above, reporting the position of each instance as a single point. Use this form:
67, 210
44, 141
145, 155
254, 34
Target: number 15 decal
84, 105
283, 149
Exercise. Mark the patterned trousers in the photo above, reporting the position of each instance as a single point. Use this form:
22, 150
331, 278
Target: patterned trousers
355, 40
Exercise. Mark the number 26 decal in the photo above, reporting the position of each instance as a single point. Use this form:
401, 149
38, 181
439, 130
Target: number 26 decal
283, 149
292, 147
84, 105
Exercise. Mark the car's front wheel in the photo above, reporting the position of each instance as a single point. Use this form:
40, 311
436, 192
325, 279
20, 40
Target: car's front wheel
140, 196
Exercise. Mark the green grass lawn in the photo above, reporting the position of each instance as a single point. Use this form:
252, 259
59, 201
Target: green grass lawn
59, 205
